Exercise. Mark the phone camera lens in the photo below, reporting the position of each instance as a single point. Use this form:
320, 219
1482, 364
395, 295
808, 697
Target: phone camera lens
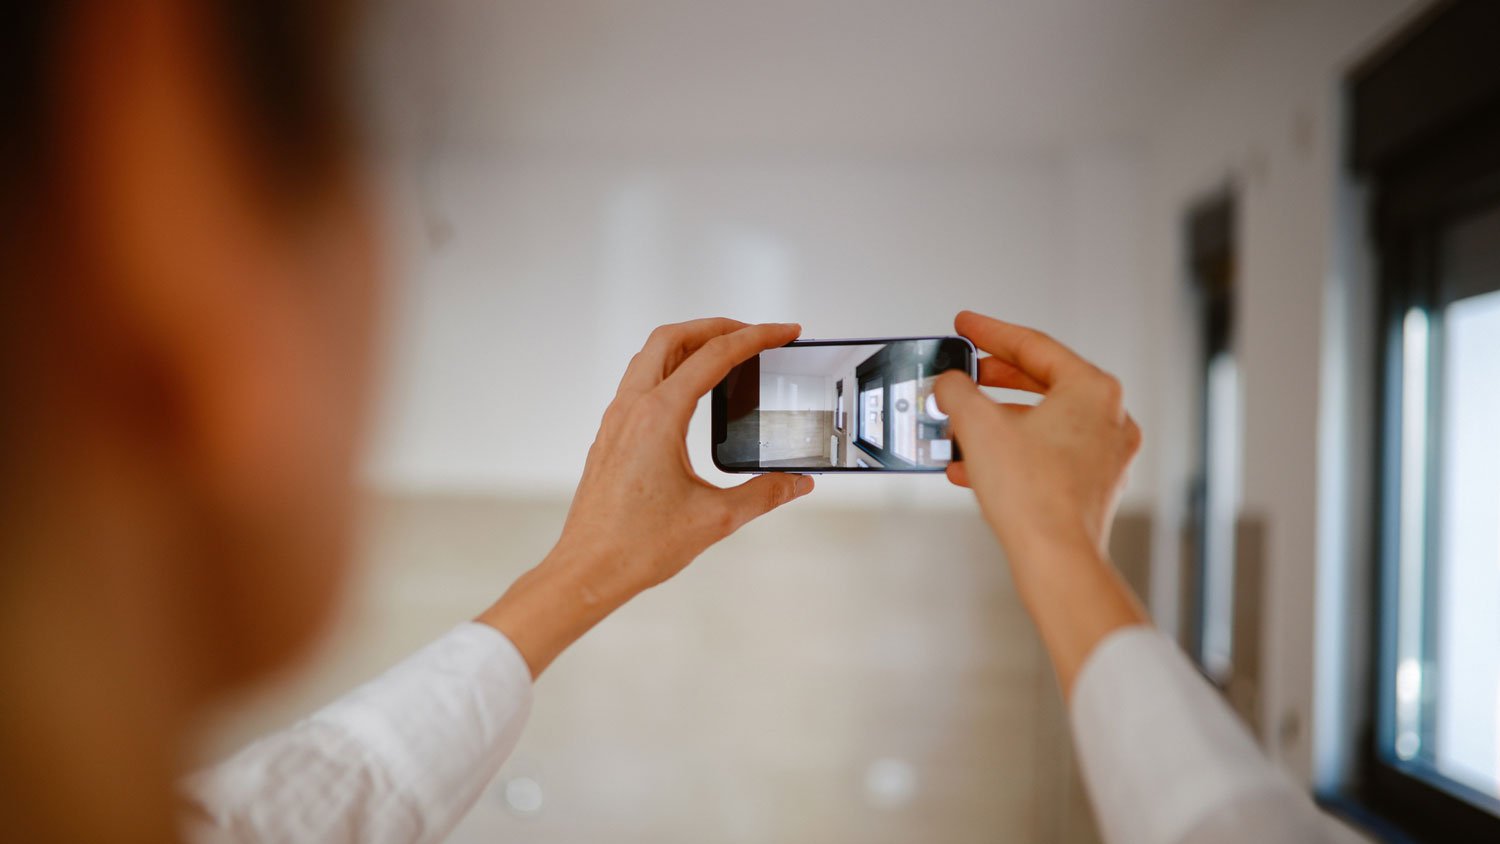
942, 360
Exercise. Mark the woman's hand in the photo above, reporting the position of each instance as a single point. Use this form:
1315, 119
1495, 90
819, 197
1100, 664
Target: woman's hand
641, 513
1045, 474
640, 506
1048, 478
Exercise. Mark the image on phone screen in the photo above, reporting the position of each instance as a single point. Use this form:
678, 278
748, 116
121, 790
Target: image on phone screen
838, 405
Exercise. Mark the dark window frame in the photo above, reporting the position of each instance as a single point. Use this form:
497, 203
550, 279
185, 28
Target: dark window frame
861, 430
886, 366
1425, 118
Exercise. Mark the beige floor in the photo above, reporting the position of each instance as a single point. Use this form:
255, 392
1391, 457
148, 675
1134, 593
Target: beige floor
825, 676
798, 463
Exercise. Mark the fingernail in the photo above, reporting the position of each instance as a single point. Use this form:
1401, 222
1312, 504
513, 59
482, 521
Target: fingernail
804, 484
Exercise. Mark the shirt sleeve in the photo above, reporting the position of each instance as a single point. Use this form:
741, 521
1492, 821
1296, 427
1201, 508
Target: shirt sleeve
398, 760
1166, 761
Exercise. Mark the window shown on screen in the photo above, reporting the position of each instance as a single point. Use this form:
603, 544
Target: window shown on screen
904, 420
872, 419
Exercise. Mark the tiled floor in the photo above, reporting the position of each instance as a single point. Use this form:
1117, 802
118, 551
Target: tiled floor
824, 676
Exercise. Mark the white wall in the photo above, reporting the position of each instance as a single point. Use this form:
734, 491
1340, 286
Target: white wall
1267, 119
508, 336
531, 264
796, 392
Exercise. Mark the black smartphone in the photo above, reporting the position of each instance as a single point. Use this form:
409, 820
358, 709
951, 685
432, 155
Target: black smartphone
863, 405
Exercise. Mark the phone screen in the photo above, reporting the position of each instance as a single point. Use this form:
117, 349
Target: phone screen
838, 405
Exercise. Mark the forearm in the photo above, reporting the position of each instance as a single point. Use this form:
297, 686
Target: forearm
1076, 599
398, 760
550, 607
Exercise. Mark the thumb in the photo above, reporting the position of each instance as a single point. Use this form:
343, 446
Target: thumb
970, 412
961, 399
762, 494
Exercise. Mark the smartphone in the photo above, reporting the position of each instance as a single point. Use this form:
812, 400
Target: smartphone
863, 405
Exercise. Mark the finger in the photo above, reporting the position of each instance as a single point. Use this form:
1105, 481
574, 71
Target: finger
708, 366
969, 410
958, 474
994, 372
1028, 350
762, 494
960, 398
668, 346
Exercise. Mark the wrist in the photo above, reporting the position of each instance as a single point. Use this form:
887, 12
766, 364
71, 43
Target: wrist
1039, 542
594, 574
549, 607
1074, 595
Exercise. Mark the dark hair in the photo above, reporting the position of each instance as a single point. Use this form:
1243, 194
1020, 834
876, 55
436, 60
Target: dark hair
291, 60
288, 58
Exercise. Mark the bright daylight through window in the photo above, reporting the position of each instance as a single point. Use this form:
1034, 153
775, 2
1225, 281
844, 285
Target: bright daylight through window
1466, 651
1447, 637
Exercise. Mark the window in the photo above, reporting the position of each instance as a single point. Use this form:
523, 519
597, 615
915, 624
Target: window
892, 426
1445, 663
1426, 139
872, 414
1209, 599
904, 420
1464, 719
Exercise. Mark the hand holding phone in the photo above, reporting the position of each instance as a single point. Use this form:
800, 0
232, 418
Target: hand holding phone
1051, 472
641, 513
1048, 478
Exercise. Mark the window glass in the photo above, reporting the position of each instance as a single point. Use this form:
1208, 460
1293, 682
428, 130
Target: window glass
1465, 647
904, 420
1221, 506
872, 416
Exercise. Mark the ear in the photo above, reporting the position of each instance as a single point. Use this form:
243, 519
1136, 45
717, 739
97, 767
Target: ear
255, 335
157, 186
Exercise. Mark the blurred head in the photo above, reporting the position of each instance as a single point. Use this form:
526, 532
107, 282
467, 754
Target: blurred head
188, 288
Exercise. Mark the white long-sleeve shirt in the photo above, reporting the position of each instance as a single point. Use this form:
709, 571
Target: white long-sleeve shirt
1167, 762
399, 760
404, 757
